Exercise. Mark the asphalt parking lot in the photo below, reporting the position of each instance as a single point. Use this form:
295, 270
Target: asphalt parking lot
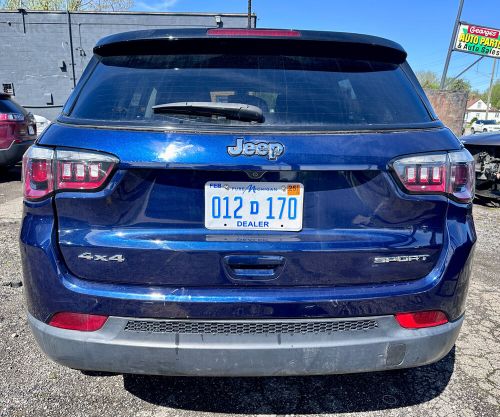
465, 383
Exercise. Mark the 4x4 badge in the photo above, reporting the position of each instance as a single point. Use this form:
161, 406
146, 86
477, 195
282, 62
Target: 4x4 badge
269, 150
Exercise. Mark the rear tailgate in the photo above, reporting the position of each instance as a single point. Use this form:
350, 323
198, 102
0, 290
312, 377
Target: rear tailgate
152, 213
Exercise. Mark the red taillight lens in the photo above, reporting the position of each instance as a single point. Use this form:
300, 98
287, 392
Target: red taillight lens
285, 33
78, 321
448, 173
40, 170
82, 170
45, 171
37, 173
462, 176
421, 319
423, 173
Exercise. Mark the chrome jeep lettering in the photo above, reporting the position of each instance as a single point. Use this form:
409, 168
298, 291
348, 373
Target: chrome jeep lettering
269, 150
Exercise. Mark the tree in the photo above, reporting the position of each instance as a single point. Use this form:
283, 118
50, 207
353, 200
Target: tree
458, 84
99, 5
495, 95
428, 79
72, 5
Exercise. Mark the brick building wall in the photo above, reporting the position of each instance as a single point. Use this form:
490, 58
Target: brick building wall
450, 106
35, 48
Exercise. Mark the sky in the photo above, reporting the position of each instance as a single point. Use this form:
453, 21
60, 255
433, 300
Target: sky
423, 27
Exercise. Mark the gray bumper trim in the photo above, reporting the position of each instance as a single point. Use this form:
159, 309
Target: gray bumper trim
113, 349
14, 153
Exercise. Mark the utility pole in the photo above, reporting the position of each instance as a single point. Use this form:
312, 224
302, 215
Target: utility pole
488, 102
249, 14
70, 31
452, 44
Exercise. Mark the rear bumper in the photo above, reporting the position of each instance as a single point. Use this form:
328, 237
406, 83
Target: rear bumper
14, 153
160, 349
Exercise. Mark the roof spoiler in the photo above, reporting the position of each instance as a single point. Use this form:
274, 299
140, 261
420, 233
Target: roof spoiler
251, 41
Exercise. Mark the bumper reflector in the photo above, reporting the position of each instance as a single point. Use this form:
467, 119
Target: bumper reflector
421, 319
78, 321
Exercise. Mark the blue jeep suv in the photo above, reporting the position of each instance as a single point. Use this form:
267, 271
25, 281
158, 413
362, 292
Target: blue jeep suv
238, 202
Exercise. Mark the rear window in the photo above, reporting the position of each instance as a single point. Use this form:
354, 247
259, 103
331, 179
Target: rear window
9, 106
292, 91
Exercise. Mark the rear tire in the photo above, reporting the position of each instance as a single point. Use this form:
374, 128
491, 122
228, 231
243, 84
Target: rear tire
472, 131
485, 130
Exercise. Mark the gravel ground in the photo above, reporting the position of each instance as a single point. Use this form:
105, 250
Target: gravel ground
465, 383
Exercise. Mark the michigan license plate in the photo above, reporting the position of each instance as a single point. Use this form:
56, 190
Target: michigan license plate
254, 206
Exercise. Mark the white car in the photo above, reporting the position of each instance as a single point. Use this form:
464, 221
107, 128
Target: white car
484, 126
41, 123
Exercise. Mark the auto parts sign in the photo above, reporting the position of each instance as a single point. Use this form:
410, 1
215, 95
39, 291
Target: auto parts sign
478, 40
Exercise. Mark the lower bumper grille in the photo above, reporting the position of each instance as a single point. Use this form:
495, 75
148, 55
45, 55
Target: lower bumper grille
249, 327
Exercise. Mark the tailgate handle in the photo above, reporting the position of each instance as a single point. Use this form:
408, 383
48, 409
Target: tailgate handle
253, 267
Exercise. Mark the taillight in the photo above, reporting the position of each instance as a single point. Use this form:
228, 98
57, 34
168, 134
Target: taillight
17, 117
450, 173
78, 321
46, 171
421, 319
462, 178
82, 170
38, 181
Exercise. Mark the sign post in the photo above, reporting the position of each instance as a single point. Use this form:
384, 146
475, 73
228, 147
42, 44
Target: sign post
450, 48
488, 101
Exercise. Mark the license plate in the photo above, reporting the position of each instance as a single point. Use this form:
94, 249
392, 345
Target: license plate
254, 206
31, 130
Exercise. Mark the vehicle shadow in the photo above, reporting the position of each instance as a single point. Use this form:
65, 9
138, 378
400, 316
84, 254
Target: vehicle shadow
9, 174
486, 202
296, 395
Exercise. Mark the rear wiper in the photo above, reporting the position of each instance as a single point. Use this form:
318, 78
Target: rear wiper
234, 111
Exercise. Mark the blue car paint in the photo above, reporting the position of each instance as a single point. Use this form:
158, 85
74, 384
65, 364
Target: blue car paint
442, 287
160, 238
178, 150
